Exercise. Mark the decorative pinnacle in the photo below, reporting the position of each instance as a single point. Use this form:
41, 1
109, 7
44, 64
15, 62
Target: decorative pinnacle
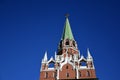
45, 56
67, 15
89, 55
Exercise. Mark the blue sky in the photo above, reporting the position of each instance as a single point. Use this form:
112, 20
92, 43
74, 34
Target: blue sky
30, 27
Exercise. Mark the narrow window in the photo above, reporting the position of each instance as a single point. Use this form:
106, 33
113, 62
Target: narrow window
91, 64
46, 75
54, 75
67, 74
88, 74
66, 67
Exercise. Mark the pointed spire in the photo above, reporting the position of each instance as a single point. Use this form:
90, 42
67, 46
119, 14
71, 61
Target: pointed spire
45, 57
67, 32
88, 53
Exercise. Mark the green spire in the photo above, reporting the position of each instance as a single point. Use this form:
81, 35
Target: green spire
67, 32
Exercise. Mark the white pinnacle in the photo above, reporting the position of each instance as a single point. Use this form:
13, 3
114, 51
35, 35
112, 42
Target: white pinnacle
45, 56
88, 53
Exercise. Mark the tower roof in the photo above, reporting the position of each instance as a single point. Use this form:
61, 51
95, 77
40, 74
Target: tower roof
67, 32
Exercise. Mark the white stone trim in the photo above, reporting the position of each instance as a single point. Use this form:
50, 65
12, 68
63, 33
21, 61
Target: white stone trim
77, 73
51, 60
58, 74
82, 58
67, 62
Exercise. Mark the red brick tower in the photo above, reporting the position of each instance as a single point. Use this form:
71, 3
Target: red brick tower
68, 63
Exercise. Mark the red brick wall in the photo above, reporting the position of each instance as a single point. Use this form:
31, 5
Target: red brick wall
84, 73
50, 75
65, 70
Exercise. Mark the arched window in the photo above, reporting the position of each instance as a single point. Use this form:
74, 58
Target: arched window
88, 74
67, 42
67, 74
51, 65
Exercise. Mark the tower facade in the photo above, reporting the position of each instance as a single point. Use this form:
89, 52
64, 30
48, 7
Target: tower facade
67, 63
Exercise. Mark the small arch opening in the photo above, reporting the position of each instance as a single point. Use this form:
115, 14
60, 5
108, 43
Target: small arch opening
67, 42
83, 63
51, 65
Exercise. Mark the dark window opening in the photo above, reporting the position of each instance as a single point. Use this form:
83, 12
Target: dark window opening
66, 67
67, 74
74, 43
91, 64
67, 43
